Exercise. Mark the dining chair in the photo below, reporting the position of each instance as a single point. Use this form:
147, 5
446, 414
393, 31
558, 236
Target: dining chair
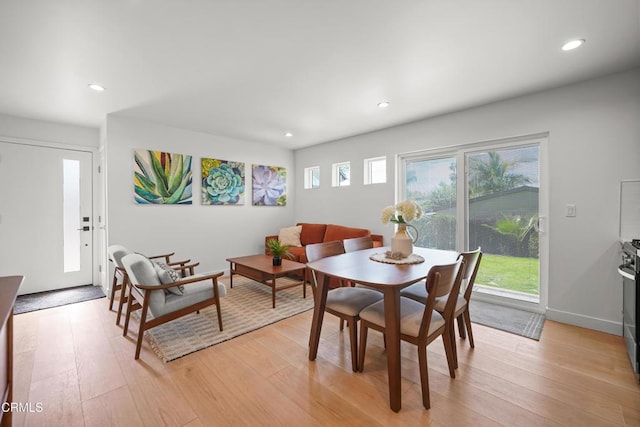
343, 302
120, 278
420, 324
357, 243
148, 283
418, 293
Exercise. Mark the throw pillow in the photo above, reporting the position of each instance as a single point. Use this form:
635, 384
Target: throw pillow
168, 275
291, 236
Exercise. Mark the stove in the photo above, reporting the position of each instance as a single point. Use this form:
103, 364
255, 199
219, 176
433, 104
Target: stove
630, 272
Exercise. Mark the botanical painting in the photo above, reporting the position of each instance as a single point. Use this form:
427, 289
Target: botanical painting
162, 178
269, 185
222, 182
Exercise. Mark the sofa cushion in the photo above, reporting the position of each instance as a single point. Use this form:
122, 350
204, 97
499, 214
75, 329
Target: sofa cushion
298, 254
338, 232
290, 236
312, 233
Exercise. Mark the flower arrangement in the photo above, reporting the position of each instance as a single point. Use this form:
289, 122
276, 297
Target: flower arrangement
402, 213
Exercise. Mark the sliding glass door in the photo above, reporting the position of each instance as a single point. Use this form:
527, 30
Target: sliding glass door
488, 196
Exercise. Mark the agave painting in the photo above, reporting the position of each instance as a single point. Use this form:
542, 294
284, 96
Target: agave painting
269, 185
162, 178
222, 182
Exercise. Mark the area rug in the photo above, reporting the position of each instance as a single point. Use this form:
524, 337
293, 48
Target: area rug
245, 308
513, 320
50, 299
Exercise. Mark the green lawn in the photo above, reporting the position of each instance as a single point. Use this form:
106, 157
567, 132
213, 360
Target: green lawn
504, 272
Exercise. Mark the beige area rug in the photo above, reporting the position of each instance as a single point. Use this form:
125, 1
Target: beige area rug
245, 308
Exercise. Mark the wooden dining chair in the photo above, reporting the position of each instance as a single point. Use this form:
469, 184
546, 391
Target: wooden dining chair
420, 324
418, 293
357, 243
343, 302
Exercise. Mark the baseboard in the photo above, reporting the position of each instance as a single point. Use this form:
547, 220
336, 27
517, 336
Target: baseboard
588, 322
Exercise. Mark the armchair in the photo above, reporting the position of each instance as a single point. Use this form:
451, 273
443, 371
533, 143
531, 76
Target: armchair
148, 292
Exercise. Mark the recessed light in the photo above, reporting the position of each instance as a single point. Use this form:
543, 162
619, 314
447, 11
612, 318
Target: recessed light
383, 104
96, 87
570, 45
288, 134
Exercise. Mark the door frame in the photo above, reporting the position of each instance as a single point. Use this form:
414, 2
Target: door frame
458, 152
95, 276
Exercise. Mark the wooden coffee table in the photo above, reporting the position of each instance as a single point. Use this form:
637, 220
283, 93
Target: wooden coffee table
261, 269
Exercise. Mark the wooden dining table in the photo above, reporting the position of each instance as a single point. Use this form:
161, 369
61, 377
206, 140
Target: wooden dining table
389, 279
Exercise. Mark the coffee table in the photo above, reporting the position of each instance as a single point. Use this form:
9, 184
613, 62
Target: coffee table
261, 269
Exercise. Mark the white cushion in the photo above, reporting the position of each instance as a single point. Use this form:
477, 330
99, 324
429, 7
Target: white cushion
168, 275
411, 318
290, 236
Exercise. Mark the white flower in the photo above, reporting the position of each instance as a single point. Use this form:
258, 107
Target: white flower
404, 211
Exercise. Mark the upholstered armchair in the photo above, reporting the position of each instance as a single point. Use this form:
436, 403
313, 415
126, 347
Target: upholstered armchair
156, 290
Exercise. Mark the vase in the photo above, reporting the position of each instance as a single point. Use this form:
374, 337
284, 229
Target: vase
402, 242
277, 260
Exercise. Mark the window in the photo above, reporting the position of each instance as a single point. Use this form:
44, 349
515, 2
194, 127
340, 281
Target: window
312, 177
71, 214
341, 174
375, 170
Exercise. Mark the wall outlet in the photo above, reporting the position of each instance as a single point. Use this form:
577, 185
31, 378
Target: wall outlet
570, 211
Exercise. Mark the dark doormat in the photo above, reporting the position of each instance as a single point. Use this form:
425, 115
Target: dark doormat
519, 322
49, 299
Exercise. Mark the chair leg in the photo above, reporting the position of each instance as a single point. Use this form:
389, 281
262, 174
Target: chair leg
461, 328
219, 314
143, 317
448, 349
363, 346
467, 321
113, 290
341, 324
454, 344
353, 338
424, 376
128, 315
123, 299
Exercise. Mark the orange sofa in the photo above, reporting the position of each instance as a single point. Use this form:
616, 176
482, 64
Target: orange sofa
318, 233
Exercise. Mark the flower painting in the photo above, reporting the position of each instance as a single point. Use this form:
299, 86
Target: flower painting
222, 182
162, 178
269, 185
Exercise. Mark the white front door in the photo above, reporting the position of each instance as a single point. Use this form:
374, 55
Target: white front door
46, 218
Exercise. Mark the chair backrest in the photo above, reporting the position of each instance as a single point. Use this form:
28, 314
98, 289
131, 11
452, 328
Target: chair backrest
142, 272
116, 253
318, 251
471, 264
442, 280
357, 243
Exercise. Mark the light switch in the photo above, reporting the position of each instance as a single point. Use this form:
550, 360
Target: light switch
570, 210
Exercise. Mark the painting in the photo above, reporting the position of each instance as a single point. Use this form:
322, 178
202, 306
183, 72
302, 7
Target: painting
269, 185
162, 178
222, 182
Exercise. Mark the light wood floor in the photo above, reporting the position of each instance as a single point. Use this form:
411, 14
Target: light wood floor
75, 362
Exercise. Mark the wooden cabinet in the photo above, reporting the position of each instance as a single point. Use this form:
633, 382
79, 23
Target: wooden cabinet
8, 291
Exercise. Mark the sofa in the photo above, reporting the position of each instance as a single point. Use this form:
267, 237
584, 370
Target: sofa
318, 233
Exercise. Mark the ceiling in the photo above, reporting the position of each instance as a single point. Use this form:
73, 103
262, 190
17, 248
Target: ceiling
255, 69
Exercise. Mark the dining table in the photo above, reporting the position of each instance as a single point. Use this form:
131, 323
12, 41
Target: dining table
386, 276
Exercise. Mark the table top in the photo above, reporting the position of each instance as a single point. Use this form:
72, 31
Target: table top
265, 263
357, 267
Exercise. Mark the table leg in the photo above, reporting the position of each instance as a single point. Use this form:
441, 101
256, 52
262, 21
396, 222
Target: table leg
392, 328
318, 315
231, 275
273, 292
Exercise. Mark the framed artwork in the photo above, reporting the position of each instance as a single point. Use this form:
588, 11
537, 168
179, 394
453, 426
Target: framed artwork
222, 182
162, 178
269, 185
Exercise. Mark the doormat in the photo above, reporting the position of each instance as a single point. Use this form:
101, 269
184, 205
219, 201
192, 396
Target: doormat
50, 299
513, 320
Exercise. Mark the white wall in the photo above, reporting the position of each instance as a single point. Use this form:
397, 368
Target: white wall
594, 142
48, 132
208, 234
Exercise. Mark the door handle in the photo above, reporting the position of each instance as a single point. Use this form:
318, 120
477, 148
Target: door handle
85, 228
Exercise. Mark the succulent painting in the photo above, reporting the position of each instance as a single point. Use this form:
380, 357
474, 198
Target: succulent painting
162, 178
222, 182
269, 185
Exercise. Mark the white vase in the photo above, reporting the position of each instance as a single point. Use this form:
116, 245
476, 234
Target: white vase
402, 242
